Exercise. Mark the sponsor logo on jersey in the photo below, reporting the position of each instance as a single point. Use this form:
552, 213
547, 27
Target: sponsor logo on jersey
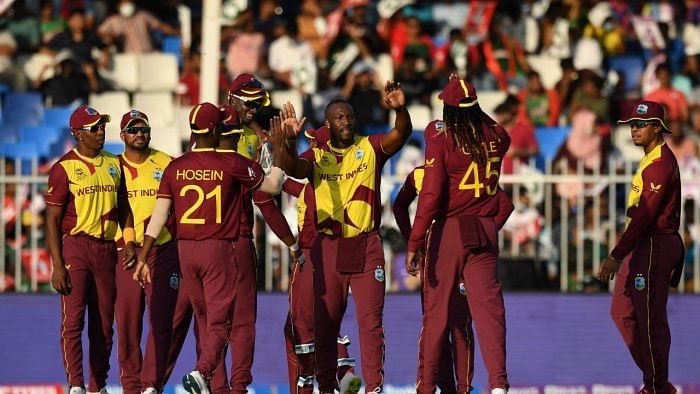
251, 151
379, 274
639, 282
251, 172
429, 162
462, 288
50, 190
359, 154
654, 188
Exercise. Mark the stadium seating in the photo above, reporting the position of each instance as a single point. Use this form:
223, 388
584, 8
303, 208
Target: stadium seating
115, 104
548, 67
158, 72
173, 46
385, 68
57, 116
489, 99
160, 109
24, 152
182, 121
631, 67
23, 109
549, 140
114, 147
42, 136
124, 72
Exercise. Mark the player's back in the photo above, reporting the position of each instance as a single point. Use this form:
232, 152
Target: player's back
206, 188
471, 186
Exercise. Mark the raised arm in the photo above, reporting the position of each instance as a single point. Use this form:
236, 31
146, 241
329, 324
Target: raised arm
283, 134
403, 200
395, 99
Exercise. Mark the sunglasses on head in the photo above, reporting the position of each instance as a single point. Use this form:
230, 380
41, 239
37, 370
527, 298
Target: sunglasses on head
250, 104
93, 129
638, 124
136, 129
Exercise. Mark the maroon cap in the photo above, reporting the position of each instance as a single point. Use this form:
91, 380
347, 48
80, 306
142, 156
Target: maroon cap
458, 93
131, 117
322, 135
648, 110
203, 117
85, 116
230, 120
248, 88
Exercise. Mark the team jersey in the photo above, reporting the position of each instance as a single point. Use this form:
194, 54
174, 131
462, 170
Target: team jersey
89, 189
142, 182
346, 186
654, 202
206, 189
306, 220
248, 143
454, 184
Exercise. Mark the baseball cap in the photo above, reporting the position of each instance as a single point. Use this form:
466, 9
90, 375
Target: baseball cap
203, 117
458, 93
230, 120
85, 116
131, 117
248, 88
648, 110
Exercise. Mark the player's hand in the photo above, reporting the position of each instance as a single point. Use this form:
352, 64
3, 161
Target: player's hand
608, 269
299, 258
394, 97
129, 255
278, 137
60, 279
291, 126
142, 273
413, 260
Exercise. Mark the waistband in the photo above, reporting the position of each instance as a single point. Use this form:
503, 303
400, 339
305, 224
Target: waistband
89, 238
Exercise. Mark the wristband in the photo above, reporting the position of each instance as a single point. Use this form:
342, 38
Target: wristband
129, 235
401, 109
294, 247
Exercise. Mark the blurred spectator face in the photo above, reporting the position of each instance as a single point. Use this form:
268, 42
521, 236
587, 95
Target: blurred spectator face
589, 87
127, 9
413, 27
311, 7
47, 11
664, 77
357, 14
534, 84
76, 22
364, 80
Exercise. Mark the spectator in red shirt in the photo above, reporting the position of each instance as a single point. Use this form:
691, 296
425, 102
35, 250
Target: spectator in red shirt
539, 105
672, 99
523, 144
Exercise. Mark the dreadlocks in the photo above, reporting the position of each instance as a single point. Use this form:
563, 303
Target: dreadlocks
466, 126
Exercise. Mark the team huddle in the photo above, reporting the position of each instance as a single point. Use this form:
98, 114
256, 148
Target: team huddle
176, 234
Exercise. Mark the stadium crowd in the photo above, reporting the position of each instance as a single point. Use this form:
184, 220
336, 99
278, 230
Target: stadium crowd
569, 65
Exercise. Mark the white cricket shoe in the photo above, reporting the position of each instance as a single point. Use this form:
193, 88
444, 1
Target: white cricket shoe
150, 390
194, 383
77, 390
499, 391
350, 384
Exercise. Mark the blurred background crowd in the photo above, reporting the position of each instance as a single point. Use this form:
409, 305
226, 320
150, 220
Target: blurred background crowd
556, 74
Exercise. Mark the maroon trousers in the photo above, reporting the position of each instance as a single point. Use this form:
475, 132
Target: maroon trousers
639, 306
331, 294
209, 277
447, 261
161, 296
299, 327
242, 340
90, 263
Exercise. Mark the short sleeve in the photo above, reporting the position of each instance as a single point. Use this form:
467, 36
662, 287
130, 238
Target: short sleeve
248, 173
58, 192
375, 141
308, 155
165, 189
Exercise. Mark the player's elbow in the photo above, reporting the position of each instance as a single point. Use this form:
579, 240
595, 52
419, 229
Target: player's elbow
272, 183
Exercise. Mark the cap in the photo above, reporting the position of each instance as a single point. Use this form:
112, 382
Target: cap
204, 117
131, 117
458, 93
322, 135
230, 120
85, 116
248, 88
648, 110
387, 8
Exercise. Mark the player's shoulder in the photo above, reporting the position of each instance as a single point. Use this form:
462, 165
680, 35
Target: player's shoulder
435, 128
160, 156
660, 161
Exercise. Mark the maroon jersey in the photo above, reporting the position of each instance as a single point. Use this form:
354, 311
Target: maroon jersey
454, 184
654, 203
206, 189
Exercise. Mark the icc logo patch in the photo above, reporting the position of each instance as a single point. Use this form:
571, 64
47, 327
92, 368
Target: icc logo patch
379, 274
359, 154
251, 151
80, 174
639, 282
642, 109
112, 170
158, 174
174, 281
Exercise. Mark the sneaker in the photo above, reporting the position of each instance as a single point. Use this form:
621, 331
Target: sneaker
194, 383
350, 384
150, 390
103, 390
499, 390
77, 390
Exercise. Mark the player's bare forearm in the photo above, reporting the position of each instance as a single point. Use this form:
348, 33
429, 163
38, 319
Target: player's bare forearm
54, 215
397, 137
290, 162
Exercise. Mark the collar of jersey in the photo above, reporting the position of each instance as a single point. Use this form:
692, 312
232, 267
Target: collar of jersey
648, 155
342, 151
225, 150
96, 161
202, 150
137, 165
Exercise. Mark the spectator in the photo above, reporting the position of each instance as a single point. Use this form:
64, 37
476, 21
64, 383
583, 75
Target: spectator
523, 143
23, 26
80, 41
420, 46
672, 99
188, 91
134, 27
589, 95
10, 73
448, 16
267, 19
604, 28
292, 60
313, 27
50, 25
71, 84
504, 58
683, 147
363, 91
539, 105
245, 48
417, 86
